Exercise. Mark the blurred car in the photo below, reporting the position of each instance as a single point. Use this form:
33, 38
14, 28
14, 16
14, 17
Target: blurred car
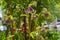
58, 26
3, 28
49, 25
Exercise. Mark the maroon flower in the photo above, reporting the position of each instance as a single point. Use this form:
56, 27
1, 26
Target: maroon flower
23, 28
46, 28
7, 21
14, 29
46, 14
27, 10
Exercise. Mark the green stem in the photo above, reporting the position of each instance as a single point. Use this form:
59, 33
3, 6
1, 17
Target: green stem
30, 26
25, 33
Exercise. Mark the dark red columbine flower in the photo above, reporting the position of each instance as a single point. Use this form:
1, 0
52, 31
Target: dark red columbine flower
14, 29
46, 14
7, 21
23, 28
46, 28
26, 10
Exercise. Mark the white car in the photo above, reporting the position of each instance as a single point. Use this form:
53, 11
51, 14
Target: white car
3, 28
49, 25
58, 26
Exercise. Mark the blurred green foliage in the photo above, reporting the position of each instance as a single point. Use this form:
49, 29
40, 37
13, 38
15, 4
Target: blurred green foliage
18, 6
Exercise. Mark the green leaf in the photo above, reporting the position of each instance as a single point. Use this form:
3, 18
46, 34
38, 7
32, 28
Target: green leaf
23, 15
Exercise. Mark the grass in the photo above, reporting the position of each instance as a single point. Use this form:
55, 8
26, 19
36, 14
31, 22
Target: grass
2, 35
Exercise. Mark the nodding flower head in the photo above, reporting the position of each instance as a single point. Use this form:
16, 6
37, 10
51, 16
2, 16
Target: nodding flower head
8, 21
46, 14
29, 9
